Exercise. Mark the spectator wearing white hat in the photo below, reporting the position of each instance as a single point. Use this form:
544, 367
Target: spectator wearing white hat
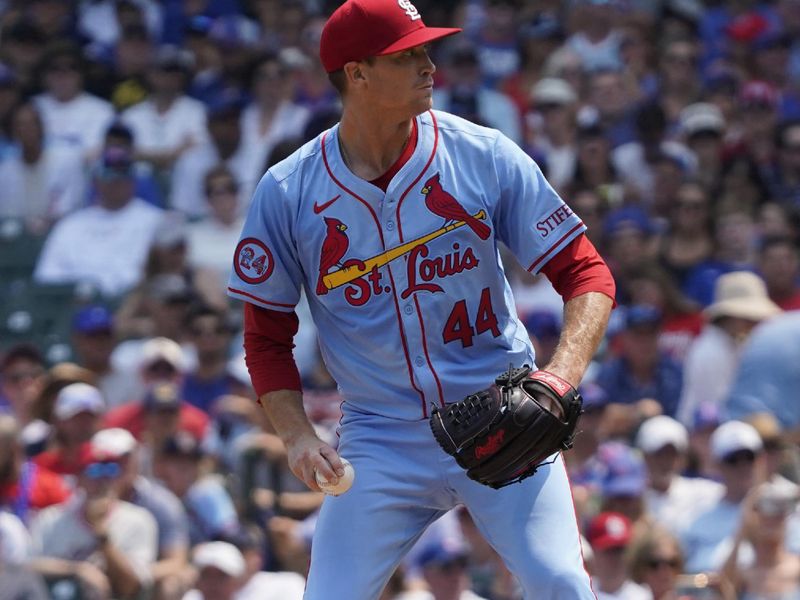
76, 416
738, 451
169, 571
671, 499
702, 127
220, 567
552, 128
258, 584
102, 543
740, 303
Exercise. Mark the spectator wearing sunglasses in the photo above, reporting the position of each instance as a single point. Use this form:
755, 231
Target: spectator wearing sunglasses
97, 542
773, 572
739, 453
210, 334
656, 560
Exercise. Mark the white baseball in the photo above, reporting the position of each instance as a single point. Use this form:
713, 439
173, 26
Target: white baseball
342, 485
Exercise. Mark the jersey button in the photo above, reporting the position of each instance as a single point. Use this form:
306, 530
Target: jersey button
389, 225
419, 361
408, 310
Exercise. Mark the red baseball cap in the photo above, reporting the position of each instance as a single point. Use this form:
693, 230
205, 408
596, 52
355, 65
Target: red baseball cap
359, 29
609, 530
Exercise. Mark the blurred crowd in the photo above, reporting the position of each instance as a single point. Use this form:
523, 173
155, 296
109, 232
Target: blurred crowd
134, 460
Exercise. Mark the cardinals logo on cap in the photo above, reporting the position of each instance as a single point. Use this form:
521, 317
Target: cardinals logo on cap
410, 9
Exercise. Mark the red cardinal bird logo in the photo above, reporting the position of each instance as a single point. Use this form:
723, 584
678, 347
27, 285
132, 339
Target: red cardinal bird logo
333, 249
441, 203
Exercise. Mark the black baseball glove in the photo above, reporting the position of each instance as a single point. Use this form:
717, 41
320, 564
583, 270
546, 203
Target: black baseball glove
502, 434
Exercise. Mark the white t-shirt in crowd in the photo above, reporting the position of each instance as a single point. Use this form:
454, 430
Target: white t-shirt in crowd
713, 351
188, 193
683, 502
49, 188
78, 123
155, 131
212, 244
289, 121
627, 591
106, 248
15, 542
707, 541
273, 586
61, 531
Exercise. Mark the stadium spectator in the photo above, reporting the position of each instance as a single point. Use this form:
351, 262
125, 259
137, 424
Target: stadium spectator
679, 85
208, 504
688, 240
465, 94
220, 567
552, 128
76, 417
786, 187
622, 481
444, 568
213, 239
210, 333
168, 124
652, 285
22, 375
636, 161
72, 118
738, 452
655, 561
596, 38
773, 572
105, 543
615, 108
642, 370
610, 534
779, 265
93, 339
740, 303
23, 46
271, 116
258, 584
25, 488
702, 128
104, 245
672, 500
168, 572
158, 416
41, 182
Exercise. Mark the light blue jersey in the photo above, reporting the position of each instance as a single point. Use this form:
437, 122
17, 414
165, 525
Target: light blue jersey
406, 287
413, 310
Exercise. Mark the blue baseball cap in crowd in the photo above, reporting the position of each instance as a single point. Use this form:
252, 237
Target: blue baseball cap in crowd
594, 396
93, 319
642, 315
542, 323
7, 76
628, 217
625, 473
443, 553
707, 415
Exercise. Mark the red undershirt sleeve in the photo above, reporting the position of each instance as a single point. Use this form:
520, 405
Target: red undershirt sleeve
268, 345
578, 269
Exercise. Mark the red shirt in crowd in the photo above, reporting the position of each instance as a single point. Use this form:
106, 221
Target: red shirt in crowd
131, 416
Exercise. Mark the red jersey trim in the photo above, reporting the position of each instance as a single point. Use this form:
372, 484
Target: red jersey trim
257, 299
553, 247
